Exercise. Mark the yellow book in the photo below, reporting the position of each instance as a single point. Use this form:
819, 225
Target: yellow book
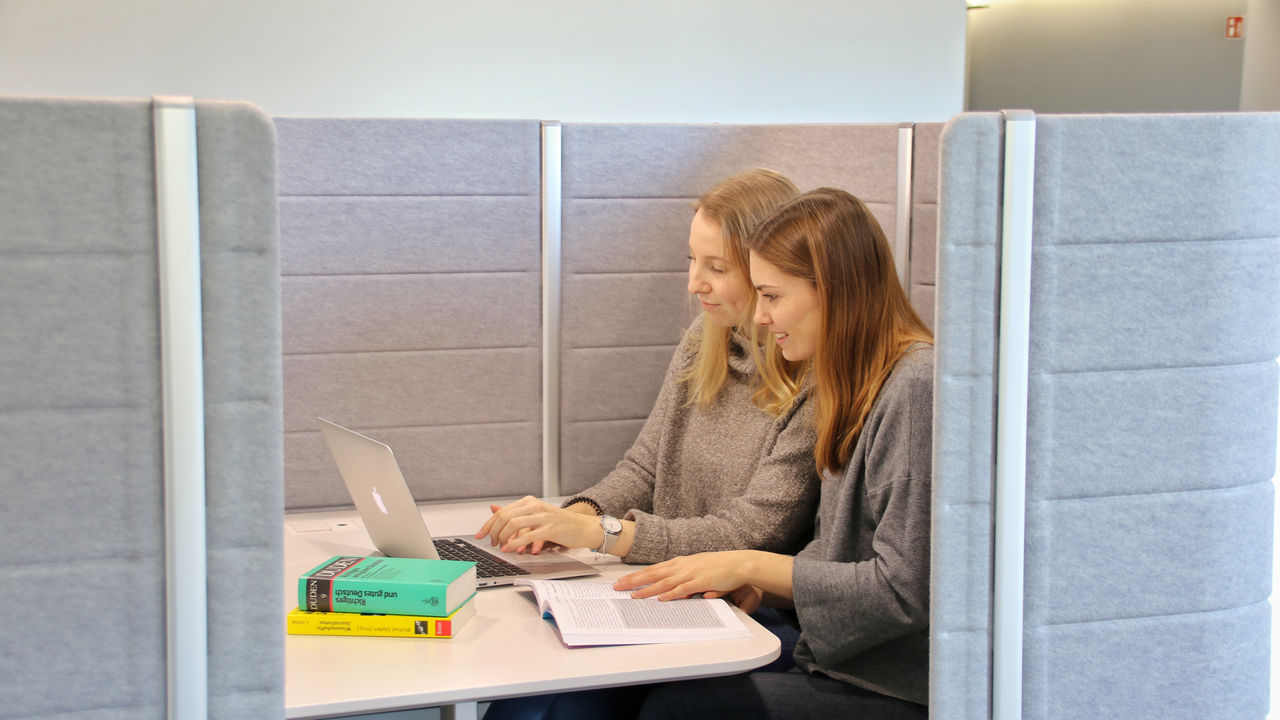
301, 622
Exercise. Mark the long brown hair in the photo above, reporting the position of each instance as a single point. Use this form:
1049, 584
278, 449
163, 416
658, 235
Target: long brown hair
829, 238
737, 204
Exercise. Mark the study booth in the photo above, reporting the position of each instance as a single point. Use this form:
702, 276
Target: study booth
498, 299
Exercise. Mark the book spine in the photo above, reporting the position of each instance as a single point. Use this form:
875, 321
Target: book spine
316, 588
323, 623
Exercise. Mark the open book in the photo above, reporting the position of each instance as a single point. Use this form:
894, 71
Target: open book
593, 613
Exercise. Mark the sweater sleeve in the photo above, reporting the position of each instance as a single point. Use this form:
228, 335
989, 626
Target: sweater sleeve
851, 594
774, 512
631, 483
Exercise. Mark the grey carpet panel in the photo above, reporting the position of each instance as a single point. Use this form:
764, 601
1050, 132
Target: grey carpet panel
374, 156
1122, 563
612, 383
80, 408
445, 462
924, 218
591, 304
1151, 417
407, 389
92, 644
923, 299
240, 263
1170, 304
395, 235
1084, 440
1185, 667
1092, 160
599, 433
39, 165
412, 300
683, 161
91, 287
1151, 430
964, 417
924, 163
372, 313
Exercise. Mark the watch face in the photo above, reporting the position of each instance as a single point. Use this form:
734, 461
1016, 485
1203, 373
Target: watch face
611, 525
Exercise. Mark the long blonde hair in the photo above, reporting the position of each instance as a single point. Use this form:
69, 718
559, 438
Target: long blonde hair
830, 238
737, 203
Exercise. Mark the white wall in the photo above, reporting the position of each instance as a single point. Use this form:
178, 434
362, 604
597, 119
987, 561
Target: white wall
1055, 56
1260, 85
571, 60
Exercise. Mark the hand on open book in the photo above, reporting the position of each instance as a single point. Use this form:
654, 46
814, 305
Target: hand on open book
530, 524
713, 573
735, 574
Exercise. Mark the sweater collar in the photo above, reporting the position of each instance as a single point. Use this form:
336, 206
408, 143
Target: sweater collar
740, 359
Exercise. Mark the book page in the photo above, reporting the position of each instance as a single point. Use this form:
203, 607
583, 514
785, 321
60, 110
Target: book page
634, 614
593, 613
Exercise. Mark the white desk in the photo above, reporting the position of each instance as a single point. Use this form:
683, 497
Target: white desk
506, 650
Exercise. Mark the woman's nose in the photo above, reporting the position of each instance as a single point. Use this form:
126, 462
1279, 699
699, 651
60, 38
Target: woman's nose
696, 283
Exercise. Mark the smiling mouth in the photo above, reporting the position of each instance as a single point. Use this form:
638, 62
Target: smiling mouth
781, 336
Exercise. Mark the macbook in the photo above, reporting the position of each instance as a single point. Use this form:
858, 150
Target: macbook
397, 528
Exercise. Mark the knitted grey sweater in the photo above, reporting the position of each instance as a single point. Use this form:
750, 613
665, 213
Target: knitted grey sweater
861, 587
724, 477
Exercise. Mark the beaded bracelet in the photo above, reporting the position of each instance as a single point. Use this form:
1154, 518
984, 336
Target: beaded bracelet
585, 501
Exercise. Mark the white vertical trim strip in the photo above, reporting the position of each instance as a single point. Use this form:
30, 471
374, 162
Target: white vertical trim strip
1011, 413
551, 279
182, 370
902, 234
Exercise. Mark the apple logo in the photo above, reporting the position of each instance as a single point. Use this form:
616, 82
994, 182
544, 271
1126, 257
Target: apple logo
378, 499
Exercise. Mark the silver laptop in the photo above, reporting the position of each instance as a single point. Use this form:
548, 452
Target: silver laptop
397, 528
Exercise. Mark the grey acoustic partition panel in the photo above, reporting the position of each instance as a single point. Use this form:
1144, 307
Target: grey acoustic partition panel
924, 219
411, 301
628, 198
82, 514
1151, 419
968, 266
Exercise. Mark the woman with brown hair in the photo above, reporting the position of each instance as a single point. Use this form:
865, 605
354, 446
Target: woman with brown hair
720, 464
830, 297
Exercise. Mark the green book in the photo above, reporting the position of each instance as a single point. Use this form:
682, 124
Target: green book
392, 586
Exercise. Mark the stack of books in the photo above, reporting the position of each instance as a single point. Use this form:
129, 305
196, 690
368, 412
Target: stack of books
400, 597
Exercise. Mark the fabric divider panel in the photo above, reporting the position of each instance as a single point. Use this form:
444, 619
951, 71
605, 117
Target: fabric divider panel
1181, 667
379, 156
399, 235
594, 434
1083, 434
1107, 558
445, 462
354, 314
1168, 304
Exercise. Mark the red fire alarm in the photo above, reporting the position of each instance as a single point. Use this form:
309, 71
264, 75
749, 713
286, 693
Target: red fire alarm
1235, 27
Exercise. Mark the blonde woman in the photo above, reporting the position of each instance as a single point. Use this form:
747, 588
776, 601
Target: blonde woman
830, 297
711, 468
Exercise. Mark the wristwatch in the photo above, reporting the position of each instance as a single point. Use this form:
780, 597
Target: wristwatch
612, 527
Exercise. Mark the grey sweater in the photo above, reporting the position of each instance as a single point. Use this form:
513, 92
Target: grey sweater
725, 477
861, 587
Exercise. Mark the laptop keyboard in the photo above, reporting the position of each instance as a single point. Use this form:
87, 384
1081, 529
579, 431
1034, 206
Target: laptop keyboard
487, 565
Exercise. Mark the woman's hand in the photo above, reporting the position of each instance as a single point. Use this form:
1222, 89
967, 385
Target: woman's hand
715, 574
530, 523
